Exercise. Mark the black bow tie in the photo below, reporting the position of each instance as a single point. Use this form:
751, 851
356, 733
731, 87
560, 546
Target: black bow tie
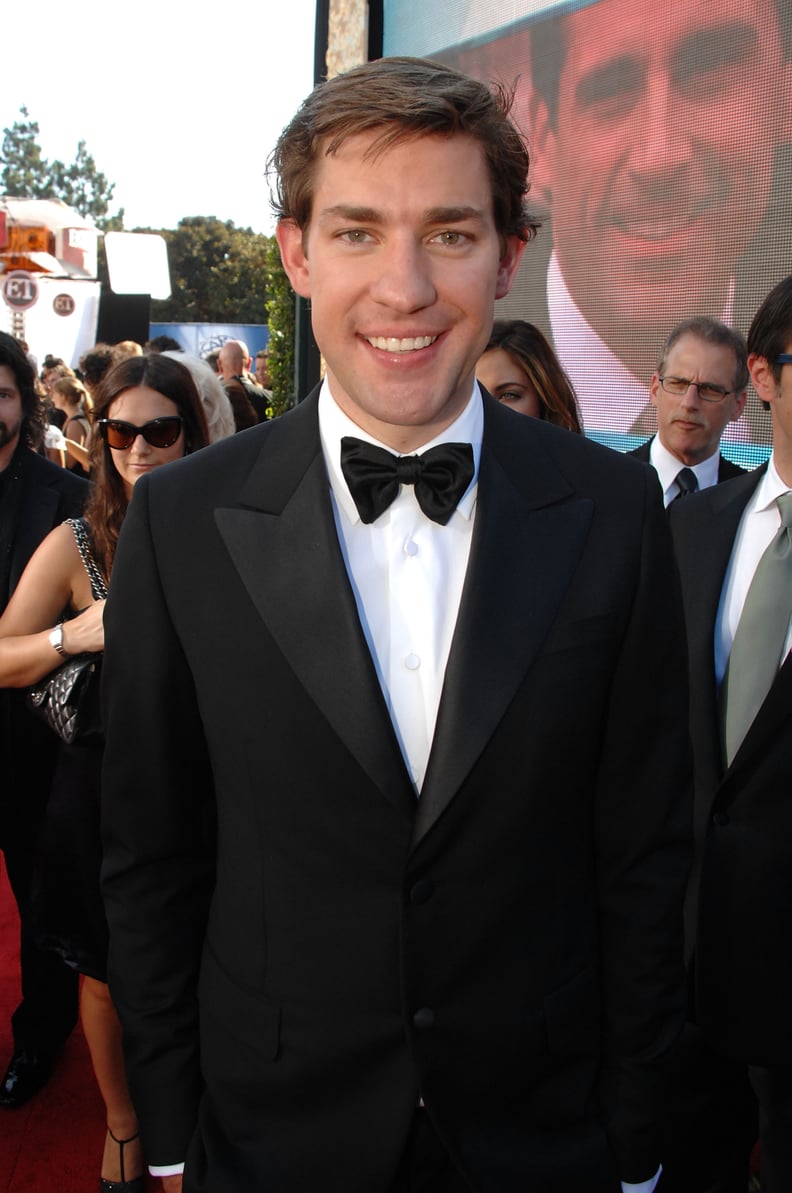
373, 475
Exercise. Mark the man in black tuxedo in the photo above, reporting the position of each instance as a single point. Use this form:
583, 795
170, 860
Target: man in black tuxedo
35, 496
740, 901
418, 924
698, 387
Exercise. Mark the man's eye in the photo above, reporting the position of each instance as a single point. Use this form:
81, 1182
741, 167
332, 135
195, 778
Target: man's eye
451, 237
355, 236
712, 391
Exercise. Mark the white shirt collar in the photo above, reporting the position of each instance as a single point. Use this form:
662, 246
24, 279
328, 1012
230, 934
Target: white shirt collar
668, 467
770, 487
334, 424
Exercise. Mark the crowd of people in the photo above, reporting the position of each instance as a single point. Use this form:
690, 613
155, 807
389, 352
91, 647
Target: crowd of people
444, 777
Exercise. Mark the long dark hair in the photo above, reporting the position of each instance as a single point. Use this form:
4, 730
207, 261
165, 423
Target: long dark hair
107, 504
527, 346
34, 417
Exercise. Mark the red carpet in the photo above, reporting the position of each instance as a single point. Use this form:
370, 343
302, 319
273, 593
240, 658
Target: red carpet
54, 1143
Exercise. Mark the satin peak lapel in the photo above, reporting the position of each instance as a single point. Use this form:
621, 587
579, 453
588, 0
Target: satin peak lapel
286, 551
527, 541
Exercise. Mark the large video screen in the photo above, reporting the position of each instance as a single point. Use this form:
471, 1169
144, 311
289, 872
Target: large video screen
661, 147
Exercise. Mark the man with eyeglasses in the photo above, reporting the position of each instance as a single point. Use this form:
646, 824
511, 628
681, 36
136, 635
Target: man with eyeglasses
699, 387
735, 560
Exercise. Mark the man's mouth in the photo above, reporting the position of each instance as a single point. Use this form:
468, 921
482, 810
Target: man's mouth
408, 344
658, 223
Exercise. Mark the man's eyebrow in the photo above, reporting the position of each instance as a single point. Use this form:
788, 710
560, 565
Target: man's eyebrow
349, 213
714, 49
454, 215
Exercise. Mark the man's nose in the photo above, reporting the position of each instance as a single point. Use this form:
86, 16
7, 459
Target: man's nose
404, 280
663, 141
691, 398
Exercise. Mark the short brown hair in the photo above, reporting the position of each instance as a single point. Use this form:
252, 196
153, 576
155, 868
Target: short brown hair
403, 98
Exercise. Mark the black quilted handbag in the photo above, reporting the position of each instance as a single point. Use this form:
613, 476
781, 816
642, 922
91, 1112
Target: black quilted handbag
68, 700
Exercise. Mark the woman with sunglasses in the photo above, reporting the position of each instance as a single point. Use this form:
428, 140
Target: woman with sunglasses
148, 413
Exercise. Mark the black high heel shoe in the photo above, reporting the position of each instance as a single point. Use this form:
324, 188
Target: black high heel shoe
138, 1185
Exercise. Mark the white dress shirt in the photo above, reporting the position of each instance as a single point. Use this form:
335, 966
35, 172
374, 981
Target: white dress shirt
758, 526
668, 467
407, 574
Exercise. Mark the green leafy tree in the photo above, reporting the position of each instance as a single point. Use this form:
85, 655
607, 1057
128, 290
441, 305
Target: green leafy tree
218, 273
27, 174
281, 311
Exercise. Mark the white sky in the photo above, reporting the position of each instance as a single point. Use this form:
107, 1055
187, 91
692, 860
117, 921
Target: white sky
180, 105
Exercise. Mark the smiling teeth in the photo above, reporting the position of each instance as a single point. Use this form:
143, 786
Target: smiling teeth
391, 344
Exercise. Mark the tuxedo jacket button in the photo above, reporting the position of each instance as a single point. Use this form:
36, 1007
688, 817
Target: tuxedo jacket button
721, 819
423, 1019
422, 891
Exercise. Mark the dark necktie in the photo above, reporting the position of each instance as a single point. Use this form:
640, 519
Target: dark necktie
440, 477
687, 481
760, 635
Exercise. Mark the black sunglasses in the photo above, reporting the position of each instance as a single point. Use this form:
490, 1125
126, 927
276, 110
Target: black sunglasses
160, 432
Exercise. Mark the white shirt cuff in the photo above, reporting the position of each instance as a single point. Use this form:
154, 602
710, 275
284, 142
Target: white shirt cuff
643, 1186
178, 1169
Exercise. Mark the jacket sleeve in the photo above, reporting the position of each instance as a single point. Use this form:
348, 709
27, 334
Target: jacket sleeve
644, 850
157, 823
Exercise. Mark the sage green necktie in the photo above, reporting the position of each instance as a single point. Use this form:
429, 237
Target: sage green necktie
760, 636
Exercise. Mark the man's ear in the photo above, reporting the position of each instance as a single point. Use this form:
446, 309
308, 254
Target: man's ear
295, 262
509, 262
543, 149
739, 405
764, 382
653, 388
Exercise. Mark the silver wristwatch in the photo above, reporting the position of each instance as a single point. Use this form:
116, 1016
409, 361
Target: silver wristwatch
56, 640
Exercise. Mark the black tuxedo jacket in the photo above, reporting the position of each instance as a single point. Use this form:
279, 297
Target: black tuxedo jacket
50, 494
299, 947
726, 470
741, 893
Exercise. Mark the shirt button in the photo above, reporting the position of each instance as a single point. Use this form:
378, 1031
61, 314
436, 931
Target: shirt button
410, 548
412, 662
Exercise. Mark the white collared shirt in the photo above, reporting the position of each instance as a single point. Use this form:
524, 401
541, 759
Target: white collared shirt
407, 574
668, 467
758, 526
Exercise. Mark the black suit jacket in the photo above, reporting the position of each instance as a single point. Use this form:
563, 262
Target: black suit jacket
726, 469
48, 495
742, 888
298, 946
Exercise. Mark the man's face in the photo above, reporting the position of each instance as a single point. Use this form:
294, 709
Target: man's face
402, 262
262, 371
688, 426
10, 414
659, 167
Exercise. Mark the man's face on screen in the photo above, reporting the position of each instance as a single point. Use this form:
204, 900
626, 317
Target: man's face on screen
660, 161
